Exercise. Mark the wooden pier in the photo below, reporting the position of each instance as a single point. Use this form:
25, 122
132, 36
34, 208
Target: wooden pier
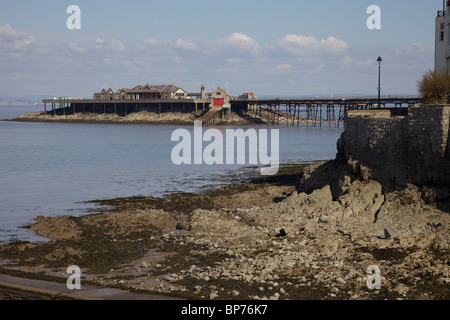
295, 111
323, 111
212, 116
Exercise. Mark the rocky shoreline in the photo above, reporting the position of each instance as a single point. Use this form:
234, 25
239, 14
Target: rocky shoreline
142, 117
308, 233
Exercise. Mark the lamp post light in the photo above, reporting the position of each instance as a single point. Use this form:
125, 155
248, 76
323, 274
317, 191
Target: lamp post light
379, 81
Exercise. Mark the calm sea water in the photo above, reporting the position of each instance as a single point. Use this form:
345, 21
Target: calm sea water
52, 169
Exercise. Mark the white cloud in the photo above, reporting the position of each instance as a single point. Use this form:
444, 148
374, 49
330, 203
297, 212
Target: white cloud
240, 42
366, 62
76, 47
284, 68
99, 45
302, 41
411, 49
318, 69
13, 40
152, 42
108, 45
189, 44
299, 45
331, 44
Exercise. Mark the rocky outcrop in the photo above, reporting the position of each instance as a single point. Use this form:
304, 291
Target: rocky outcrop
134, 117
335, 228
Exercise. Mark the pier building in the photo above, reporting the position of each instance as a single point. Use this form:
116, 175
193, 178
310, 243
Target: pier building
143, 92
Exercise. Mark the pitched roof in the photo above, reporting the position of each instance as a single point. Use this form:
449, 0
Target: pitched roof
221, 90
155, 88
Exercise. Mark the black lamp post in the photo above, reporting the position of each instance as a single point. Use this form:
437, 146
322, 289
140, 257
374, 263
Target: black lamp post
379, 81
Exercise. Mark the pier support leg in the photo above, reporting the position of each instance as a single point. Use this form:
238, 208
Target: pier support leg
279, 114
320, 122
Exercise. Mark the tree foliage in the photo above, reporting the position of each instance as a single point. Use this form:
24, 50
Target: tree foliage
434, 87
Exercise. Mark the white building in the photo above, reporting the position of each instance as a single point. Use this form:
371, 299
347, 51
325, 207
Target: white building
442, 39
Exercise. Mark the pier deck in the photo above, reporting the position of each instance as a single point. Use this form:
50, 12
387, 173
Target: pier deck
295, 111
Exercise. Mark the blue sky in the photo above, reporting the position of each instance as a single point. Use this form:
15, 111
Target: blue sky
284, 47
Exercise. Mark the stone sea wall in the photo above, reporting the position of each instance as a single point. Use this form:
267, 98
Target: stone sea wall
399, 149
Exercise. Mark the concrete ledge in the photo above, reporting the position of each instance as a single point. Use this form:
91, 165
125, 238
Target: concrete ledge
17, 292
15, 288
369, 113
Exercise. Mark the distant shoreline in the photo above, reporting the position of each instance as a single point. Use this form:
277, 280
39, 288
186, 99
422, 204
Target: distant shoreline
20, 104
